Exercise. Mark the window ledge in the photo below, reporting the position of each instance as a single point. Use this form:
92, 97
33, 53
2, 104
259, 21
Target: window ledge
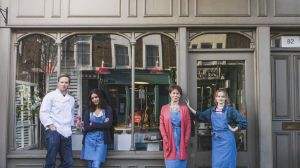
139, 155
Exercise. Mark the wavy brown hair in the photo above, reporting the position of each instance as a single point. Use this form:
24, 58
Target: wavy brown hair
173, 87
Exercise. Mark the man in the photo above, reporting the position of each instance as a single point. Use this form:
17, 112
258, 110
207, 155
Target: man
56, 115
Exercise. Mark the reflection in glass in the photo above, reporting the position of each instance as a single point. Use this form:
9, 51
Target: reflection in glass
151, 87
152, 55
212, 75
36, 65
82, 55
213, 41
122, 56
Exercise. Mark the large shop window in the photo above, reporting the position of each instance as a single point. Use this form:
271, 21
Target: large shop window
84, 56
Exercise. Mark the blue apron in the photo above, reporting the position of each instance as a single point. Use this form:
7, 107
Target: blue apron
94, 147
176, 127
223, 142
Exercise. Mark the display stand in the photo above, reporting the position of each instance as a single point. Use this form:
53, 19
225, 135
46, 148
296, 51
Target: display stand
122, 141
153, 145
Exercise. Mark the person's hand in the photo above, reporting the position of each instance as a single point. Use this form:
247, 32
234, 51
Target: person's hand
52, 127
233, 129
187, 101
106, 120
90, 124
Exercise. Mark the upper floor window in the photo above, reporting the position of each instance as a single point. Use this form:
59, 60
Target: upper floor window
152, 55
83, 52
206, 45
122, 57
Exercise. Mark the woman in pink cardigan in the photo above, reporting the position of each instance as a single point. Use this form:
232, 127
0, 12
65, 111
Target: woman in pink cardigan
175, 128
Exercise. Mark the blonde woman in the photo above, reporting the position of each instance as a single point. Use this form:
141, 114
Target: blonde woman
221, 116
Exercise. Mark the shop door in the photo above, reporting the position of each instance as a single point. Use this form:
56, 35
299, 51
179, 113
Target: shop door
235, 72
286, 109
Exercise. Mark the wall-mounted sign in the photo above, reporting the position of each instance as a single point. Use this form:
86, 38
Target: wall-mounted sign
209, 73
290, 41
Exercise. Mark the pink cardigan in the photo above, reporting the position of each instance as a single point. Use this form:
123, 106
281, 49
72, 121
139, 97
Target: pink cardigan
165, 127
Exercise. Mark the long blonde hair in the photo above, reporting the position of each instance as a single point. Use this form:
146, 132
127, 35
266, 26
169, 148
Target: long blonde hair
227, 100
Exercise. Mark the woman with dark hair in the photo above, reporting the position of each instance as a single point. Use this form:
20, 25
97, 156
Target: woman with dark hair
97, 123
175, 128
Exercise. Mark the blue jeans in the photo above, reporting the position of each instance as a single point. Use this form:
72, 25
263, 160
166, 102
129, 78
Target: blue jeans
57, 143
94, 164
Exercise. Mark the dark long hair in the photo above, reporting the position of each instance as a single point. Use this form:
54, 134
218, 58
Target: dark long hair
102, 100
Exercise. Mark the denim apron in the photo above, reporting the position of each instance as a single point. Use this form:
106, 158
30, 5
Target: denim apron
94, 147
176, 127
223, 142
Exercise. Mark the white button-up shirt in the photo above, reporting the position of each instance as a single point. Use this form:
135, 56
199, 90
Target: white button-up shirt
58, 110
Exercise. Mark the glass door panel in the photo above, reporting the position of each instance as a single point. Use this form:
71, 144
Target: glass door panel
212, 75
233, 71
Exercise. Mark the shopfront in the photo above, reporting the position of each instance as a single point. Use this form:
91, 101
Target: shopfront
133, 50
134, 77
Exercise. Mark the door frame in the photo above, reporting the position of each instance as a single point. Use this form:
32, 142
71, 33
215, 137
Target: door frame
244, 159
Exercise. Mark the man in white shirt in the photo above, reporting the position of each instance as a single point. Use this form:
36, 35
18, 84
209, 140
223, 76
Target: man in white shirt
56, 115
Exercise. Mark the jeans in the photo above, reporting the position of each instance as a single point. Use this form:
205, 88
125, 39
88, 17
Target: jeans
56, 143
94, 164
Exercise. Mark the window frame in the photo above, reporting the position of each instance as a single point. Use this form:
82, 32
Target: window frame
126, 56
156, 58
89, 42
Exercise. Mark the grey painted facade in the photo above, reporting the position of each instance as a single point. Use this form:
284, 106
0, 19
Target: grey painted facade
58, 18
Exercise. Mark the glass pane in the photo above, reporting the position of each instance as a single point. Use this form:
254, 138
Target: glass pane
152, 55
122, 57
36, 65
83, 54
112, 78
212, 75
152, 79
226, 40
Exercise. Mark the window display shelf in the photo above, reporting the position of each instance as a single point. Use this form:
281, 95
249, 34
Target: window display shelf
153, 145
122, 129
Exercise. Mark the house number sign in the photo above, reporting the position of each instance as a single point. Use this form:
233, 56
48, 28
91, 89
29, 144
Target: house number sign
290, 41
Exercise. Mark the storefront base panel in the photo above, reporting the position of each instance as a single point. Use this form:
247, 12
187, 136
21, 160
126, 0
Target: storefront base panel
115, 159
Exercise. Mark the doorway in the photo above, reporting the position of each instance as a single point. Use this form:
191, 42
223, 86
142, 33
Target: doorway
285, 109
233, 71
